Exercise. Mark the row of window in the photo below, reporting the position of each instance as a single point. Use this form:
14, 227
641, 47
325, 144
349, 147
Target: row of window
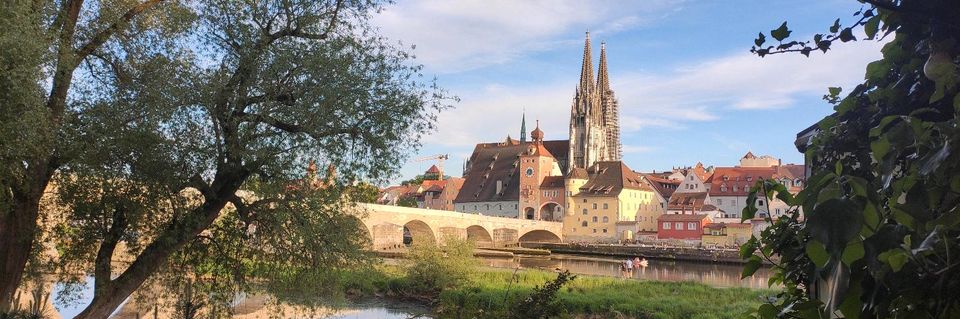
486, 207
551, 193
679, 225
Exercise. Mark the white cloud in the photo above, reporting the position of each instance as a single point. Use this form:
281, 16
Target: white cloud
453, 36
702, 91
634, 149
699, 92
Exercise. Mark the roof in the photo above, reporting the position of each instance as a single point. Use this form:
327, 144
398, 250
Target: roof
609, 178
688, 201
493, 162
736, 181
578, 173
552, 182
682, 217
664, 186
433, 170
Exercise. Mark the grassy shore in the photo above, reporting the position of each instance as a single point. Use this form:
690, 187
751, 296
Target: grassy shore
490, 293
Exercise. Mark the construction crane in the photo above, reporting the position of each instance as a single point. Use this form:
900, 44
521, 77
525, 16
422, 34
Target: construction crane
439, 158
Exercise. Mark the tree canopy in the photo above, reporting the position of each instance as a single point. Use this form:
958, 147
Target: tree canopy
878, 232
183, 140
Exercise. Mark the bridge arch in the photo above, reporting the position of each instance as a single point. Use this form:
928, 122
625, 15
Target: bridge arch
479, 235
551, 211
540, 236
417, 231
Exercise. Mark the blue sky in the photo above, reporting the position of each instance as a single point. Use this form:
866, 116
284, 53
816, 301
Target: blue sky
688, 88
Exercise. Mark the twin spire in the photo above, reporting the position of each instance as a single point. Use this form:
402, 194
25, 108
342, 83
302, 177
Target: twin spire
587, 83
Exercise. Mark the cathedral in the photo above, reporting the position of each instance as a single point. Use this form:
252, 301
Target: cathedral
528, 179
594, 117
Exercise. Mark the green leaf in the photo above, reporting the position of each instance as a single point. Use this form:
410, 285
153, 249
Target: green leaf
847, 35
835, 222
853, 252
817, 253
748, 247
877, 70
751, 266
835, 27
896, 258
760, 39
781, 33
767, 311
871, 27
880, 148
852, 305
835, 90
956, 102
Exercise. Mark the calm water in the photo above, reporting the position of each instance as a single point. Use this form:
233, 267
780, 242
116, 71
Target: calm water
717, 275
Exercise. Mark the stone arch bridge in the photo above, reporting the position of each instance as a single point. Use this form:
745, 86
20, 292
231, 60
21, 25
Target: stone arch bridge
387, 224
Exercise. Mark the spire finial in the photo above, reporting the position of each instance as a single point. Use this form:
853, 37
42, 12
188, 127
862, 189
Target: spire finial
603, 79
586, 72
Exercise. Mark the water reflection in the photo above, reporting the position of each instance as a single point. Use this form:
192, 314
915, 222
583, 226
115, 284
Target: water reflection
713, 274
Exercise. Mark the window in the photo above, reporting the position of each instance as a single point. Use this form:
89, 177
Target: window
678, 225
583, 224
778, 211
594, 230
584, 211
719, 201
760, 203
574, 230
666, 225
594, 205
605, 219
749, 178
584, 200
692, 226
605, 206
529, 171
487, 207
604, 230
723, 188
594, 219
500, 206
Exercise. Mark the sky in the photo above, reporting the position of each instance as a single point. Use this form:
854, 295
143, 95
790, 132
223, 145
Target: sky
688, 88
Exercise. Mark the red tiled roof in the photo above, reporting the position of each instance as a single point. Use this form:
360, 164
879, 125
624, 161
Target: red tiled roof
552, 182
688, 201
726, 179
664, 186
433, 170
492, 162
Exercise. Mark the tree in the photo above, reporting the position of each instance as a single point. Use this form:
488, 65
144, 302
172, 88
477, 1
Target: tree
417, 180
200, 140
43, 44
880, 234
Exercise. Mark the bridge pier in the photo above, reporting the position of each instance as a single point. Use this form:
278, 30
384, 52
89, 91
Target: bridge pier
505, 236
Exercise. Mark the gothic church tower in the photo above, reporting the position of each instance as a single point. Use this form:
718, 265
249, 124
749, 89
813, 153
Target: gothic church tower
594, 116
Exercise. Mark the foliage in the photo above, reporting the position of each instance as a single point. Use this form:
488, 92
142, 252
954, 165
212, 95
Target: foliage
880, 232
431, 269
542, 301
417, 180
201, 135
362, 192
407, 201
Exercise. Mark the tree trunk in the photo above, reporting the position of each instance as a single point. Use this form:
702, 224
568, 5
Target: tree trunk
113, 293
18, 229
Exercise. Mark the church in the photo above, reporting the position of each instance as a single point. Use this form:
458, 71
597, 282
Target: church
540, 179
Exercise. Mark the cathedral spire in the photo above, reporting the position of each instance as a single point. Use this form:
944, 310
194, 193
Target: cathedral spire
603, 80
586, 72
523, 127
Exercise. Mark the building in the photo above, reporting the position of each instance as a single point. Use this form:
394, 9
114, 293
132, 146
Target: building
681, 226
521, 179
609, 202
594, 115
729, 186
439, 194
726, 234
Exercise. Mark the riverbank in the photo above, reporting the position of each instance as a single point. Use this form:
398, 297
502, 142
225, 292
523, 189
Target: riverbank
731, 256
491, 292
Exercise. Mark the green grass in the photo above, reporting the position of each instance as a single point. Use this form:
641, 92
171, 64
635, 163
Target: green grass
489, 294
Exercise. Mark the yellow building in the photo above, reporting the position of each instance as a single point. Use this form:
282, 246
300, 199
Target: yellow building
726, 235
608, 202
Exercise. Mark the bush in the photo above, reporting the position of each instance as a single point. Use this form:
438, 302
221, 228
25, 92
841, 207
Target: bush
431, 269
542, 302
